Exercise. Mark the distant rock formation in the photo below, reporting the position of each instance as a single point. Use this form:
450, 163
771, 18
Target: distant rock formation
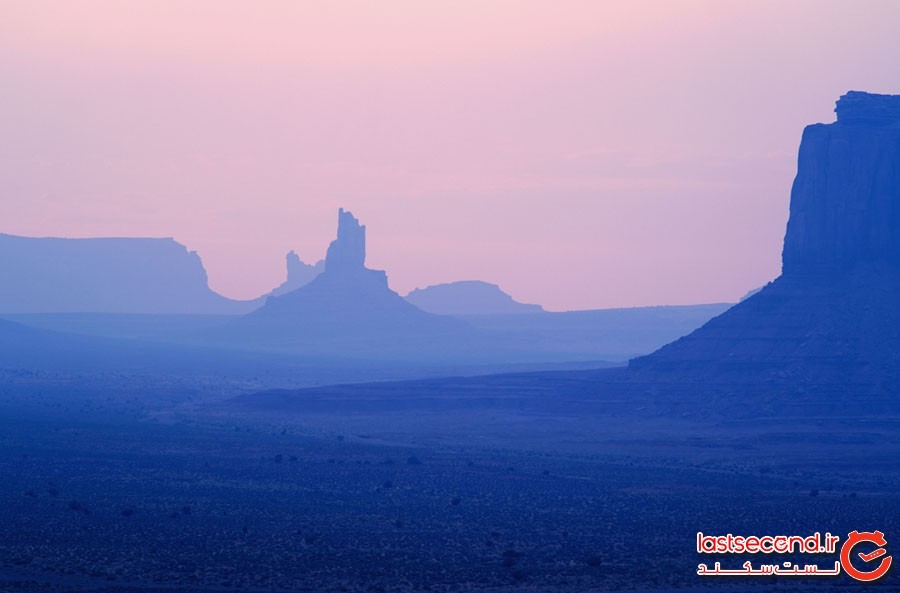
347, 253
116, 275
468, 297
827, 331
298, 274
346, 310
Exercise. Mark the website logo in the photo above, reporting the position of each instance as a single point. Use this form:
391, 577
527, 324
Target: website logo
868, 545
855, 538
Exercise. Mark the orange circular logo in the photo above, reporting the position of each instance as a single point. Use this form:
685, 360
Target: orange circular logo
855, 538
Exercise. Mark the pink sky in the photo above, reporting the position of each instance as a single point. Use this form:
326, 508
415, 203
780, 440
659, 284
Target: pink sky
580, 154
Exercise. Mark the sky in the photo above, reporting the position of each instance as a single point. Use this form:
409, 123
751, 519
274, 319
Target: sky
581, 154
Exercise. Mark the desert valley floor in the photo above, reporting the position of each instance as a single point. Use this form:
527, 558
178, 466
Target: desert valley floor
109, 487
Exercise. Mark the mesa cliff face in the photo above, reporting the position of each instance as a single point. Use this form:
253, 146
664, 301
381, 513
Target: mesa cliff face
845, 202
828, 328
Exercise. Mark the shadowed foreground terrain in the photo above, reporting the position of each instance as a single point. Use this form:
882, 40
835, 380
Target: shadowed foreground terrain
112, 487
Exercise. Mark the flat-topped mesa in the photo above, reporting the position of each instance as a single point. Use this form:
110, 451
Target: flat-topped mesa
106, 275
348, 251
845, 201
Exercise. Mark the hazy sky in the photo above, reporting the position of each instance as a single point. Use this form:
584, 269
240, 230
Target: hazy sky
580, 154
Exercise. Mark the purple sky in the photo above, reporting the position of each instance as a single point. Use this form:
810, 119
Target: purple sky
580, 154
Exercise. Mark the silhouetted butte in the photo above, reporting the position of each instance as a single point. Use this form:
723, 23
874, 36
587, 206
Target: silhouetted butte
825, 335
347, 310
